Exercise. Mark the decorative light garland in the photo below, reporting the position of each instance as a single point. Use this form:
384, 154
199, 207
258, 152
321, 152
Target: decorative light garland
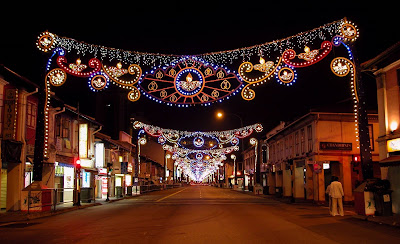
186, 80
195, 73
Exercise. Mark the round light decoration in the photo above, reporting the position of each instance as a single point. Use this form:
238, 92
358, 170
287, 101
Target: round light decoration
134, 95
56, 77
198, 141
98, 81
286, 75
45, 41
349, 31
189, 82
341, 66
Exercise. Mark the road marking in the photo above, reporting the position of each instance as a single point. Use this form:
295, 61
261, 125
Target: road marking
170, 195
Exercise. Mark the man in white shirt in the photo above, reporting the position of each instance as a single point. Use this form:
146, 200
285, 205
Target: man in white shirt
336, 193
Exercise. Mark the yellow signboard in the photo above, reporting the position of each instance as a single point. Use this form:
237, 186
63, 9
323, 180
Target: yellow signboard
393, 145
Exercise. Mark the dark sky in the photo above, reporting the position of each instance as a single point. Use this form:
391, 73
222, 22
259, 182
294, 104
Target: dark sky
183, 27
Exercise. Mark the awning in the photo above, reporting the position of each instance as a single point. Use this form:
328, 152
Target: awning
390, 161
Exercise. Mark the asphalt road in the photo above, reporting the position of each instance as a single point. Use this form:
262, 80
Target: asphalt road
199, 214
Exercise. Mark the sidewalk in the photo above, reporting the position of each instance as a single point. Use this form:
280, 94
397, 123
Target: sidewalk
7, 218
349, 210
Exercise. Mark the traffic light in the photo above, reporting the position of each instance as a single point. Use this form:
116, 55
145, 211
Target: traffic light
356, 158
78, 165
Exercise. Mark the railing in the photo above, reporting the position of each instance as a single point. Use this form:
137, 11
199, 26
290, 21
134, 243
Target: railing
48, 199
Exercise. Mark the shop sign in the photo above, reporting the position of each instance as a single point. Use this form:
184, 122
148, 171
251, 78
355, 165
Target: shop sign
83, 141
104, 185
393, 145
342, 146
87, 163
102, 171
59, 171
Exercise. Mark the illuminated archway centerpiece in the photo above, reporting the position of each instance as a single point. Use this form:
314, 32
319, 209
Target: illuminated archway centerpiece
190, 82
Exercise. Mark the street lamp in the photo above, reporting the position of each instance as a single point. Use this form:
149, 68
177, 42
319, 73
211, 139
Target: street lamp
220, 115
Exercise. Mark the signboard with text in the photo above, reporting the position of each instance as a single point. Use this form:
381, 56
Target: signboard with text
342, 146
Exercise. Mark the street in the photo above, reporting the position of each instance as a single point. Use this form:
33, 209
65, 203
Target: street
199, 214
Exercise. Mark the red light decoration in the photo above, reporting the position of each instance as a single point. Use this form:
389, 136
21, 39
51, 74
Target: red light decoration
290, 54
94, 63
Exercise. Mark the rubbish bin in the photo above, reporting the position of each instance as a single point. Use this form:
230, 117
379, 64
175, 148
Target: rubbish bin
364, 203
86, 194
118, 191
278, 191
129, 191
382, 197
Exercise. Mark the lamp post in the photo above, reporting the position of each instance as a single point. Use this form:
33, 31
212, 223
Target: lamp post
141, 141
220, 115
254, 142
233, 156
167, 156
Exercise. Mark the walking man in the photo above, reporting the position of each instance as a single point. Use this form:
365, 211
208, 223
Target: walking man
336, 193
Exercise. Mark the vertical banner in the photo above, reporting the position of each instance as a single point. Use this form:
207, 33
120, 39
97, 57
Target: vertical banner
10, 113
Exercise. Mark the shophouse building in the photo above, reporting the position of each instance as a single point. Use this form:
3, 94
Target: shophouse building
18, 109
304, 154
386, 69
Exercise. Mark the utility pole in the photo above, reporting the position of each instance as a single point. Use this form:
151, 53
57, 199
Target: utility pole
363, 129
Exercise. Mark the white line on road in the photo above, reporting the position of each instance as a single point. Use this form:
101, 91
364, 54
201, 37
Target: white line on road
170, 195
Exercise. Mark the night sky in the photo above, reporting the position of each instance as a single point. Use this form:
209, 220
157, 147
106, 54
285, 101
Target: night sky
176, 27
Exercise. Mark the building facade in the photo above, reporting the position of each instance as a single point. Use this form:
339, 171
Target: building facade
18, 109
305, 154
386, 69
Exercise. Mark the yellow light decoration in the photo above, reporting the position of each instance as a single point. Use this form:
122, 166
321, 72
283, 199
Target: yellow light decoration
267, 68
349, 31
134, 95
56, 77
116, 72
45, 42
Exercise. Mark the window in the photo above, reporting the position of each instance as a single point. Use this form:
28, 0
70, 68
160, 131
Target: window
371, 136
296, 143
291, 145
309, 138
31, 115
66, 123
302, 141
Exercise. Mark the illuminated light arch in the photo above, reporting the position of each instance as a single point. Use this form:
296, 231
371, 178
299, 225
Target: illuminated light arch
225, 81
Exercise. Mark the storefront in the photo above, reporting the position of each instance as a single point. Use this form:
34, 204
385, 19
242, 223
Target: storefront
101, 183
64, 181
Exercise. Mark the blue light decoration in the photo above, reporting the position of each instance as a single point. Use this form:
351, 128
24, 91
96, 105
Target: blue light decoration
286, 75
98, 81
198, 141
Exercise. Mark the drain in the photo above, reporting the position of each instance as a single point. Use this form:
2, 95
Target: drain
17, 225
